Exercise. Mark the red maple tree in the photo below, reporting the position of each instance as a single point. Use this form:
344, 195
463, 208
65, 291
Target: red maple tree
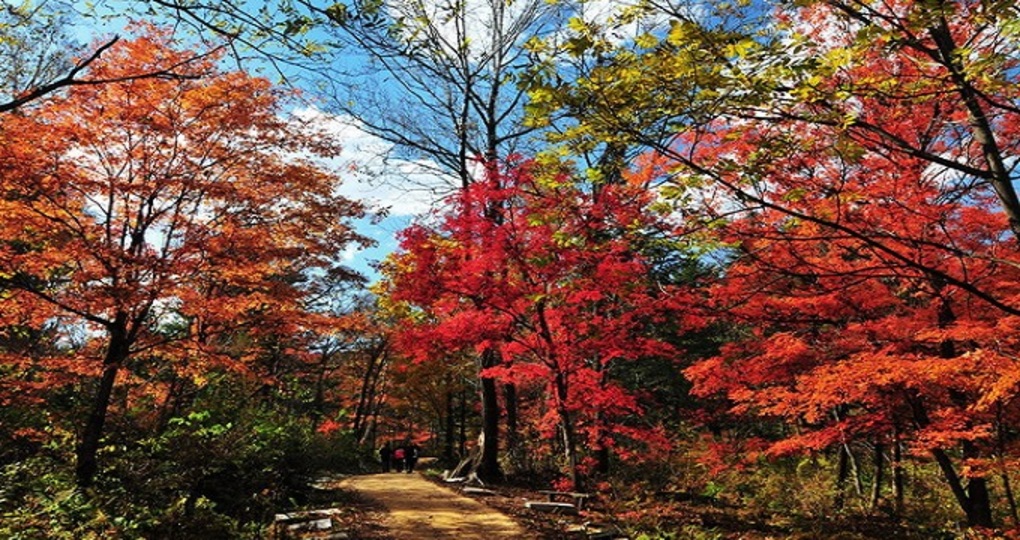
879, 287
557, 285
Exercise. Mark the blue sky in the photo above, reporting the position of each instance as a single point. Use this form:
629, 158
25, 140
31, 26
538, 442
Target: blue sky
370, 168
372, 172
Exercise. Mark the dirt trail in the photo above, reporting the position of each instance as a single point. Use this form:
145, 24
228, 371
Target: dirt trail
419, 509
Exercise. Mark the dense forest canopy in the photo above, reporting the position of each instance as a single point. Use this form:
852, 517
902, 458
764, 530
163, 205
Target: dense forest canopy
762, 253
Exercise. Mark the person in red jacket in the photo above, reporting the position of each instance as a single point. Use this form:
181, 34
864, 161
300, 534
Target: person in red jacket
400, 458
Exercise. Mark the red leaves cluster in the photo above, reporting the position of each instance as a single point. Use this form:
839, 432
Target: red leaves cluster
875, 270
551, 276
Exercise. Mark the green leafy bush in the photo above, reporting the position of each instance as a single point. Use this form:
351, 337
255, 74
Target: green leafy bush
219, 471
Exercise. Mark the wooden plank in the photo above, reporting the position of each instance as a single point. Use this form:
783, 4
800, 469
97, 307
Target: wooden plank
573, 494
578, 498
551, 507
477, 491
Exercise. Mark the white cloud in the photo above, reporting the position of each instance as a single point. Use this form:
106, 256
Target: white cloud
608, 13
477, 26
350, 253
483, 24
371, 174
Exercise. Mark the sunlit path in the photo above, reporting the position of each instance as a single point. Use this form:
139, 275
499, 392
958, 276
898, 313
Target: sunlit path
420, 509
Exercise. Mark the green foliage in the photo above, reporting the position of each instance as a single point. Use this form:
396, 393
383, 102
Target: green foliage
688, 495
798, 487
36, 45
218, 471
38, 500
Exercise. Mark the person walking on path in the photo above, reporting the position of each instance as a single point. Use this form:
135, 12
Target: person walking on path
399, 458
411, 457
386, 454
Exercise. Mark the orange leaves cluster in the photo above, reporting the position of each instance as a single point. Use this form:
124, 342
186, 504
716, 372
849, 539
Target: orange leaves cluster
173, 214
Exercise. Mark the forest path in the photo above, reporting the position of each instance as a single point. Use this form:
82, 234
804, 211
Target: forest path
419, 509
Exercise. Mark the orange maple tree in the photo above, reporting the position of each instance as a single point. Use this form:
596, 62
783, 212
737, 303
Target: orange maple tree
165, 215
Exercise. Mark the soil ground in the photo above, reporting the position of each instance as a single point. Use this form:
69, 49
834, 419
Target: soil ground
395, 506
416, 508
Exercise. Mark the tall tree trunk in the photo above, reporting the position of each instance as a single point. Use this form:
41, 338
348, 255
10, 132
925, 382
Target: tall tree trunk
368, 402
88, 447
488, 466
858, 483
879, 475
166, 409
319, 402
512, 434
980, 511
1007, 487
602, 448
601, 424
462, 428
567, 430
842, 471
980, 126
973, 499
570, 450
1010, 498
449, 427
897, 469
370, 431
847, 464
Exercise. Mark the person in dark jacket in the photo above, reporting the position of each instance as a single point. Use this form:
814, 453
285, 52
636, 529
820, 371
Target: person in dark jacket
386, 455
411, 457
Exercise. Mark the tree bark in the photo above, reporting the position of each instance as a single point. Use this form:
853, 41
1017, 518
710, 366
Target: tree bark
570, 449
512, 434
167, 408
488, 466
973, 499
981, 129
462, 428
319, 402
367, 407
88, 447
1007, 487
1010, 498
842, 471
449, 432
602, 450
979, 513
567, 430
858, 484
879, 475
897, 470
